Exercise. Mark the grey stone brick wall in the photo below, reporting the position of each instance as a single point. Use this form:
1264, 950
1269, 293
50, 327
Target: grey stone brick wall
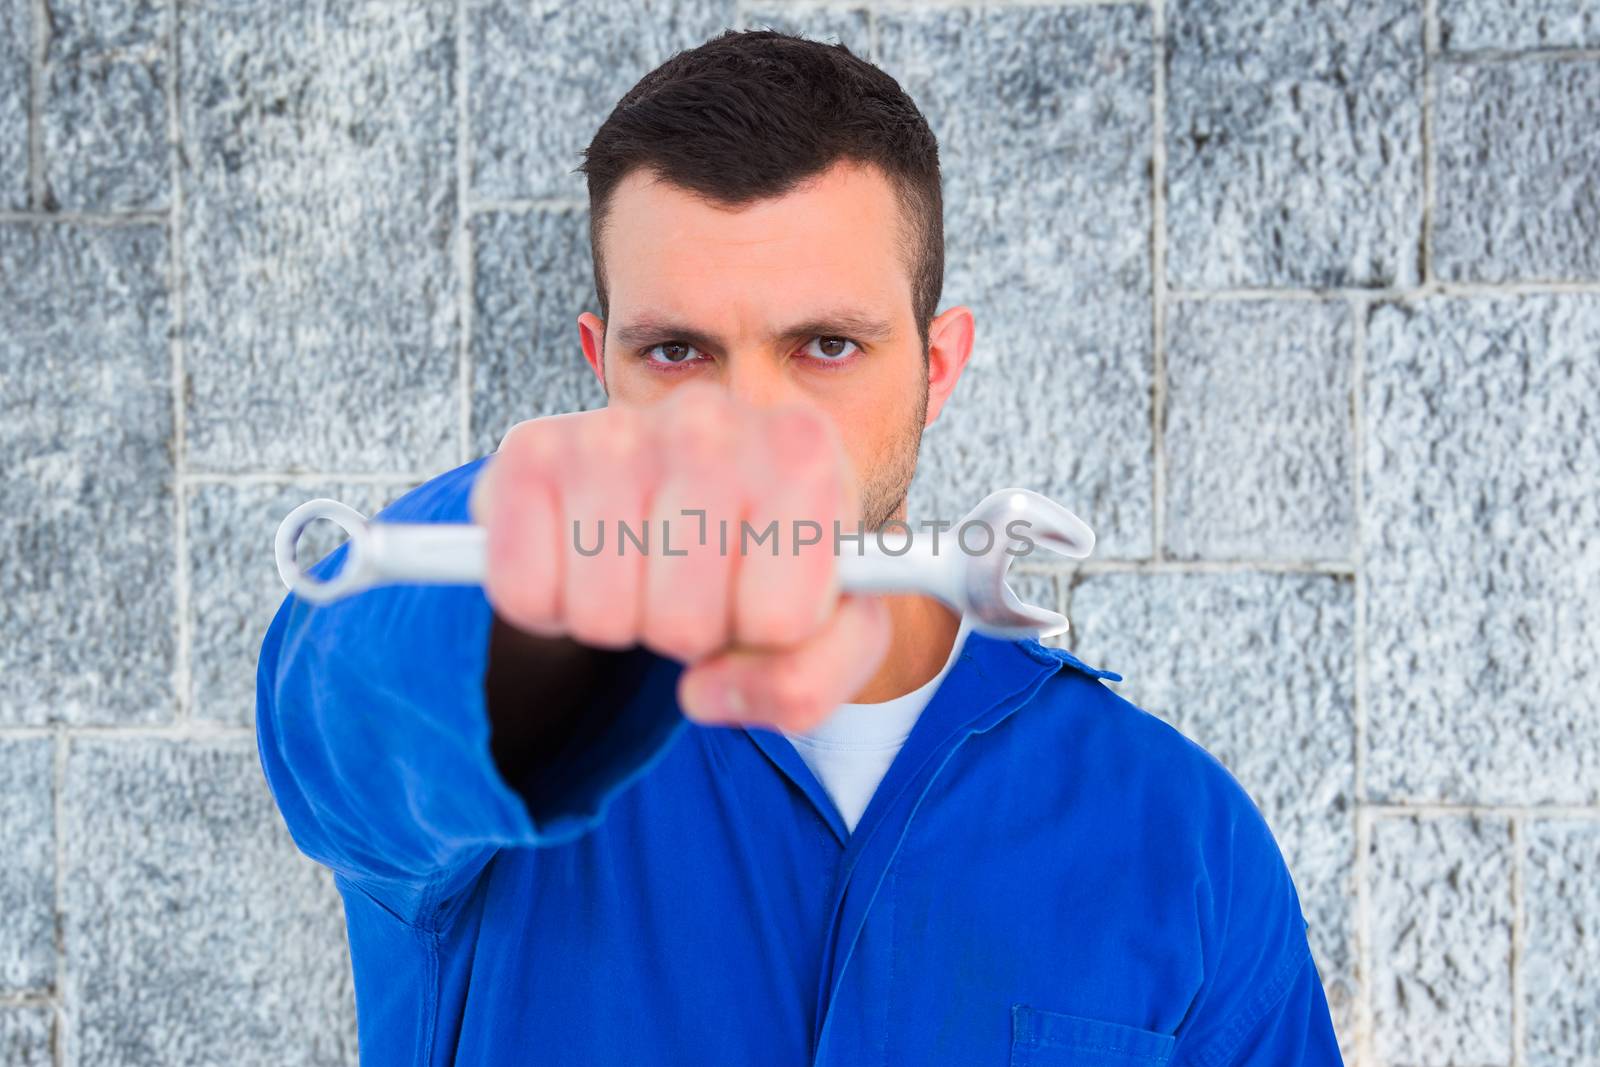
1296, 302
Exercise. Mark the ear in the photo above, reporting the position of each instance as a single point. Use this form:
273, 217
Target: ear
592, 334
950, 337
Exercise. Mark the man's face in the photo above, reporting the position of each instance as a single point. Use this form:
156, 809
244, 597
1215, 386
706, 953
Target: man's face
804, 298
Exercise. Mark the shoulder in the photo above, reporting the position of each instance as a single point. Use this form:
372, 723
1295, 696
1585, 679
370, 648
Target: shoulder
1142, 763
1176, 807
1103, 726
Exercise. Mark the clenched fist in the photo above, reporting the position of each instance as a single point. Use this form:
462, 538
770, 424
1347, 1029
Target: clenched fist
767, 638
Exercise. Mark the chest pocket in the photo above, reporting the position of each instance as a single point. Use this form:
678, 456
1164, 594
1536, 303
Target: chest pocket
1051, 1039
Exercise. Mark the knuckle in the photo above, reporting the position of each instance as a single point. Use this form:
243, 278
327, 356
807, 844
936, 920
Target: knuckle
695, 401
512, 437
532, 441
613, 440
699, 443
803, 440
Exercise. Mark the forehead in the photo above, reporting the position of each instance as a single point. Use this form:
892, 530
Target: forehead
835, 238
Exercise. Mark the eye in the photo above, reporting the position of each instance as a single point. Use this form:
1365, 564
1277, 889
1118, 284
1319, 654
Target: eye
674, 353
831, 349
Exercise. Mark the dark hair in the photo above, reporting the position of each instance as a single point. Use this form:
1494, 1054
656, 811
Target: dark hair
750, 114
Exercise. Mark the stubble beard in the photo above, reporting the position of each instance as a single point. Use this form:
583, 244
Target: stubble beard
883, 497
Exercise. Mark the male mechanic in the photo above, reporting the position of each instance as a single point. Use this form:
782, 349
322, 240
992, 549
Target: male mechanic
698, 807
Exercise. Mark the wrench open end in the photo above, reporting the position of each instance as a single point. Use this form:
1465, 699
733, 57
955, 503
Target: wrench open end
1043, 523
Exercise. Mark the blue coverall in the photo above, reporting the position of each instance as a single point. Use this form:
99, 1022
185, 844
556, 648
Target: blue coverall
1048, 874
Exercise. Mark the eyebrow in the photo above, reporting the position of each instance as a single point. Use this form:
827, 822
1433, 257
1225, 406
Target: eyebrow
653, 329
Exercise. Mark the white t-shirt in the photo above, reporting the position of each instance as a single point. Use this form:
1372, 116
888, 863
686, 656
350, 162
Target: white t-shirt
850, 751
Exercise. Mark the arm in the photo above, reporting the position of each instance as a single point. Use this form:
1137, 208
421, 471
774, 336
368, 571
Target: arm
570, 724
1296, 1028
1262, 1003
527, 735
406, 737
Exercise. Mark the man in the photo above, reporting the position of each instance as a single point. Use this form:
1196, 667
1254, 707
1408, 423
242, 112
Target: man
694, 806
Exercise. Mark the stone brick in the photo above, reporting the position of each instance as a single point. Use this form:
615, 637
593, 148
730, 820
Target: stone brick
27, 878
1293, 155
25, 1036
1482, 561
1468, 25
104, 108
1256, 669
1043, 118
1518, 199
86, 559
1441, 940
195, 932
1561, 943
546, 74
1258, 430
16, 56
534, 277
234, 588
319, 215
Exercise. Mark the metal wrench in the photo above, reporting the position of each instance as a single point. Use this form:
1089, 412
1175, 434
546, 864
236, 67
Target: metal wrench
972, 584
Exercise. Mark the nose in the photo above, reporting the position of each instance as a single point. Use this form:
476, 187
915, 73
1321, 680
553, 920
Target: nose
759, 379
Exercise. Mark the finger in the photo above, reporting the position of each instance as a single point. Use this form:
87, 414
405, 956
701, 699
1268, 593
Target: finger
514, 499
605, 485
687, 598
791, 689
784, 589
